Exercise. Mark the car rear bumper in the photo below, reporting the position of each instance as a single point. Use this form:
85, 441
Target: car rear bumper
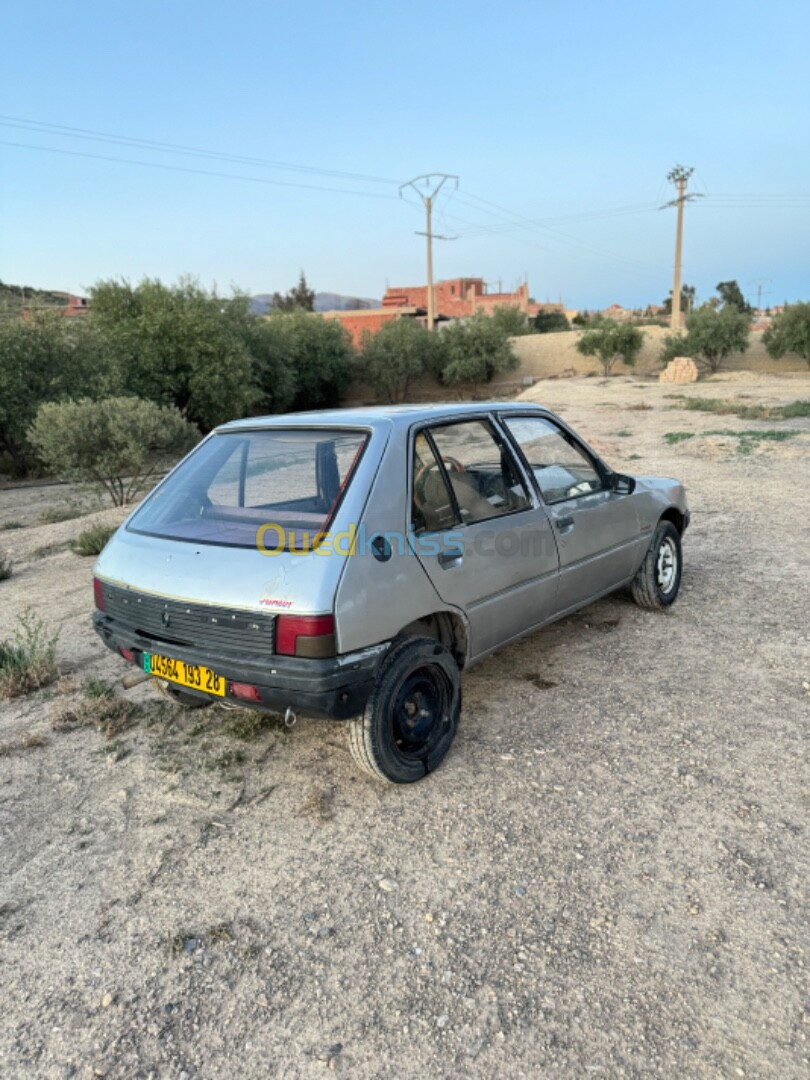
335, 688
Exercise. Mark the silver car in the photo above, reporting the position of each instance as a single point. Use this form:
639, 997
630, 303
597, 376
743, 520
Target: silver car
350, 564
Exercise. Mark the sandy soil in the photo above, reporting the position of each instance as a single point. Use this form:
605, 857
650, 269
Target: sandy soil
608, 876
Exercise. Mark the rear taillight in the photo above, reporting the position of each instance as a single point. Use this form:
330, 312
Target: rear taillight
98, 593
127, 654
305, 635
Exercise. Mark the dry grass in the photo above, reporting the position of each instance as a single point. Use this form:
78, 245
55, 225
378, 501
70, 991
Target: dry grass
103, 711
26, 741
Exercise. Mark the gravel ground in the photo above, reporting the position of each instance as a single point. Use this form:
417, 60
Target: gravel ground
608, 876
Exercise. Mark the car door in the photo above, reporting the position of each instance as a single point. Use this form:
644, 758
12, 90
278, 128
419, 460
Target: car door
596, 528
483, 538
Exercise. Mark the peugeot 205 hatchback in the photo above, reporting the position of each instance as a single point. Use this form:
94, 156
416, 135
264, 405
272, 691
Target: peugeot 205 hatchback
350, 564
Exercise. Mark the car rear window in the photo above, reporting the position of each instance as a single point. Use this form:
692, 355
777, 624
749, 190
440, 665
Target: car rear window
236, 482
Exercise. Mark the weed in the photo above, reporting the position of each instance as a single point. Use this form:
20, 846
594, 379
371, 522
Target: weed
634, 457
97, 688
5, 567
26, 741
673, 437
93, 540
640, 406
624, 434
720, 407
747, 440
28, 660
49, 549
109, 714
247, 725
59, 513
11, 525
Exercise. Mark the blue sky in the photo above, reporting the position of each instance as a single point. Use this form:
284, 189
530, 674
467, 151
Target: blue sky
548, 110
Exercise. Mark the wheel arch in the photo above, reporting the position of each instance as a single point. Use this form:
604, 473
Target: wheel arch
447, 627
673, 514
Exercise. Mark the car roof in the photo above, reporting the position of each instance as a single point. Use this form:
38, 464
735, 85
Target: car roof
381, 415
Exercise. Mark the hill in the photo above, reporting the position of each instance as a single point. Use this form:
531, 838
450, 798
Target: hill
324, 301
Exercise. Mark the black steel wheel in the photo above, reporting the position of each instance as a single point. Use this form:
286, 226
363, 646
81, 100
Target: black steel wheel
412, 715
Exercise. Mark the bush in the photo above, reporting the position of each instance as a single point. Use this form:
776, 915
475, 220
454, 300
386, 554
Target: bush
551, 322
612, 341
28, 660
318, 353
711, 337
118, 443
399, 353
511, 321
474, 351
179, 345
46, 358
93, 540
790, 332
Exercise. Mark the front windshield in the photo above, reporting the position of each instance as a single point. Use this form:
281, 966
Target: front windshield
236, 482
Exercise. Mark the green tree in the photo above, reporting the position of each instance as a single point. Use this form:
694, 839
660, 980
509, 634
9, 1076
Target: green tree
46, 358
400, 352
712, 335
318, 352
688, 293
299, 298
179, 345
474, 351
790, 332
550, 322
731, 295
117, 443
612, 341
511, 321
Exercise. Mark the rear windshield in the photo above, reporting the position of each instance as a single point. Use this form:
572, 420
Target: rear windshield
235, 482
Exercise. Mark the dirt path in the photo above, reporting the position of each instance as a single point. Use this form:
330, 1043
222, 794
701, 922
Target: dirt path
608, 877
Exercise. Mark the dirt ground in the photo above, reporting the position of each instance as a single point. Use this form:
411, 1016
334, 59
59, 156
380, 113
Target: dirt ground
607, 877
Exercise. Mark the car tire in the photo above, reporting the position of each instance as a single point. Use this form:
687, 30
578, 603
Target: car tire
658, 580
186, 700
411, 718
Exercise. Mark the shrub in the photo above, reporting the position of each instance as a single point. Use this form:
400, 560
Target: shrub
28, 660
790, 332
474, 351
46, 358
612, 341
511, 321
711, 337
318, 352
399, 353
117, 443
93, 540
550, 322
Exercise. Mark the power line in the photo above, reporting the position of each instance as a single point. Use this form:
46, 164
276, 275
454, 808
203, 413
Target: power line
198, 172
43, 127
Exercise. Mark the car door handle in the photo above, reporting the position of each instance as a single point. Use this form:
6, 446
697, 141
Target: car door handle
565, 523
450, 558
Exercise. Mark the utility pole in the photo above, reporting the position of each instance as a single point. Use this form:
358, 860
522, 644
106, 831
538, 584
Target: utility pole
434, 182
761, 290
679, 176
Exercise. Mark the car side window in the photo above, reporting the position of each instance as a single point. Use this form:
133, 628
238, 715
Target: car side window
480, 473
432, 507
563, 470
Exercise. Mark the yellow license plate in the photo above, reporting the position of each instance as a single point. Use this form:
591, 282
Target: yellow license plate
191, 675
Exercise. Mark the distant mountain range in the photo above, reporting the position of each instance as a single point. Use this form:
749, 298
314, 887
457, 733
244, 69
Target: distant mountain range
324, 301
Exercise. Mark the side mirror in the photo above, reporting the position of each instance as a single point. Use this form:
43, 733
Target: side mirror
621, 484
